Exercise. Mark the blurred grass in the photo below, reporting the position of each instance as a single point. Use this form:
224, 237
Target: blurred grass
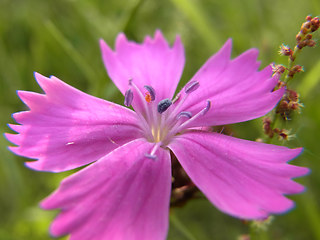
60, 37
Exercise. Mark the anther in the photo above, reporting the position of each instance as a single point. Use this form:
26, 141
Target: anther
206, 109
128, 97
184, 125
163, 105
184, 114
153, 157
191, 86
151, 92
153, 151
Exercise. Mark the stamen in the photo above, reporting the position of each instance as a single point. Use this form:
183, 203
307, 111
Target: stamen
128, 97
148, 97
141, 99
163, 105
207, 108
178, 122
176, 98
142, 109
186, 123
191, 86
152, 93
153, 157
153, 151
184, 114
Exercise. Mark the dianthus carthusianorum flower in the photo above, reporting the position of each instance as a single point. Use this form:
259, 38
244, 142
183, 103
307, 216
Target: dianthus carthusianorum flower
125, 192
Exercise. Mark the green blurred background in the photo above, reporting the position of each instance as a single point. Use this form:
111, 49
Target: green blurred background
60, 37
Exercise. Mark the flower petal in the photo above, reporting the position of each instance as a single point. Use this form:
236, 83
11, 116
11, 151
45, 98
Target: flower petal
237, 90
122, 196
66, 128
242, 178
151, 63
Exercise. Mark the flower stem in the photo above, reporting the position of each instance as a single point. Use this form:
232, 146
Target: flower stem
290, 100
257, 233
287, 78
291, 62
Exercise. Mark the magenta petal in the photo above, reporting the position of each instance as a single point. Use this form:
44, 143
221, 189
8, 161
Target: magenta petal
242, 178
237, 90
66, 128
122, 196
151, 63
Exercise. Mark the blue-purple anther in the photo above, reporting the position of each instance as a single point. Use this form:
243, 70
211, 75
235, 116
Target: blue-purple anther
151, 92
184, 114
153, 157
128, 97
163, 105
207, 107
191, 86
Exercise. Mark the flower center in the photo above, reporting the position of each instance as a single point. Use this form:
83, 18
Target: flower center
161, 121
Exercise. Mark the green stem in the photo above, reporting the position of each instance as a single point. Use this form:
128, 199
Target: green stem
291, 62
258, 234
253, 232
296, 51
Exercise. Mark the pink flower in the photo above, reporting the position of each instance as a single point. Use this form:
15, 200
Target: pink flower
125, 192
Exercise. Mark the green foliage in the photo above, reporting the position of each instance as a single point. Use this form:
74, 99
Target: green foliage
60, 37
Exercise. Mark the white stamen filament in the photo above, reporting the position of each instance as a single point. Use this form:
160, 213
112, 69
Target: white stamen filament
146, 129
160, 124
152, 155
177, 108
146, 110
177, 128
